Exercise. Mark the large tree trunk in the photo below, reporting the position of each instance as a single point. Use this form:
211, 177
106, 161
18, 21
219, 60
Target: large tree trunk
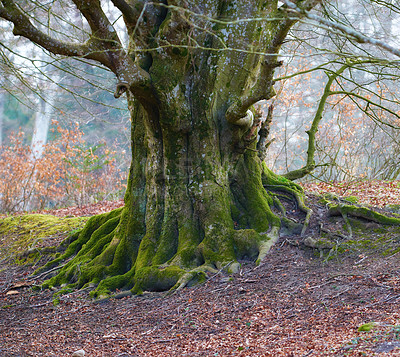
199, 197
196, 199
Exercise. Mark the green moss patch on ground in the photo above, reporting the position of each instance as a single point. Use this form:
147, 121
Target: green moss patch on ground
30, 231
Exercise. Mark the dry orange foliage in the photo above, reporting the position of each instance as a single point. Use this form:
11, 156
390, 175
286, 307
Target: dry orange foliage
68, 172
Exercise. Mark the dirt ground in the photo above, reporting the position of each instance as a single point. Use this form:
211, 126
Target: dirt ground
296, 303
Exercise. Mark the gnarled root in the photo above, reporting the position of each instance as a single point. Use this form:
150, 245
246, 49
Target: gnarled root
336, 209
279, 184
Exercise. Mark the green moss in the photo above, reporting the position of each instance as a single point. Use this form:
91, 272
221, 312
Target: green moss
393, 208
168, 242
187, 254
106, 286
23, 232
390, 251
327, 197
180, 51
370, 242
31, 258
351, 199
362, 212
319, 243
367, 327
64, 290
269, 178
90, 247
247, 243
251, 195
157, 278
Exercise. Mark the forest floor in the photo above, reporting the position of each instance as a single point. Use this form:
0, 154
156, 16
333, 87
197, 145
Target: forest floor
298, 302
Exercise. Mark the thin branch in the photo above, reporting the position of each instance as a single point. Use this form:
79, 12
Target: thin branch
356, 35
370, 102
23, 27
103, 45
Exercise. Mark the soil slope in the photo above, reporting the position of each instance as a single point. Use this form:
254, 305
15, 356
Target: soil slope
297, 303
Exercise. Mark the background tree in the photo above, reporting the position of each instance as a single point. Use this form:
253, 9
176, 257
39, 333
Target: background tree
1, 115
361, 103
199, 197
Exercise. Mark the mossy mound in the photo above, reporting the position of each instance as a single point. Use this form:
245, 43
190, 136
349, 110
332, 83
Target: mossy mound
353, 229
34, 231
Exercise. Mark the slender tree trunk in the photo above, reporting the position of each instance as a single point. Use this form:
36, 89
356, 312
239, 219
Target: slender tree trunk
42, 120
39, 136
2, 99
41, 128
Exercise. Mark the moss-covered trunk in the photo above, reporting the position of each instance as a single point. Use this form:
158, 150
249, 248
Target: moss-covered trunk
195, 202
196, 198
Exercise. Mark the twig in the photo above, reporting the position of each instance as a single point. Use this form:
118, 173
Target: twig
385, 299
356, 263
217, 273
40, 305
163, 341
35, 277
321, 285
342, 292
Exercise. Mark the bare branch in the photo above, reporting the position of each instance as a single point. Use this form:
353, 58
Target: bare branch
103, 45
263, 89
351, 32
310, 165
23, 27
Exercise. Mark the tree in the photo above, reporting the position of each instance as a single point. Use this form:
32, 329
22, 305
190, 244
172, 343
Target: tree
361, 103
199, 198
1, 116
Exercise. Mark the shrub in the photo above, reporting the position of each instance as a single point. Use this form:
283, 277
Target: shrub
68, 172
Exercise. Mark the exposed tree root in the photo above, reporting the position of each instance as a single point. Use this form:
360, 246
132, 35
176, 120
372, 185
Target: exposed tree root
279, 184
180, 245
96, 257
196, 275
345, 210
358, 232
